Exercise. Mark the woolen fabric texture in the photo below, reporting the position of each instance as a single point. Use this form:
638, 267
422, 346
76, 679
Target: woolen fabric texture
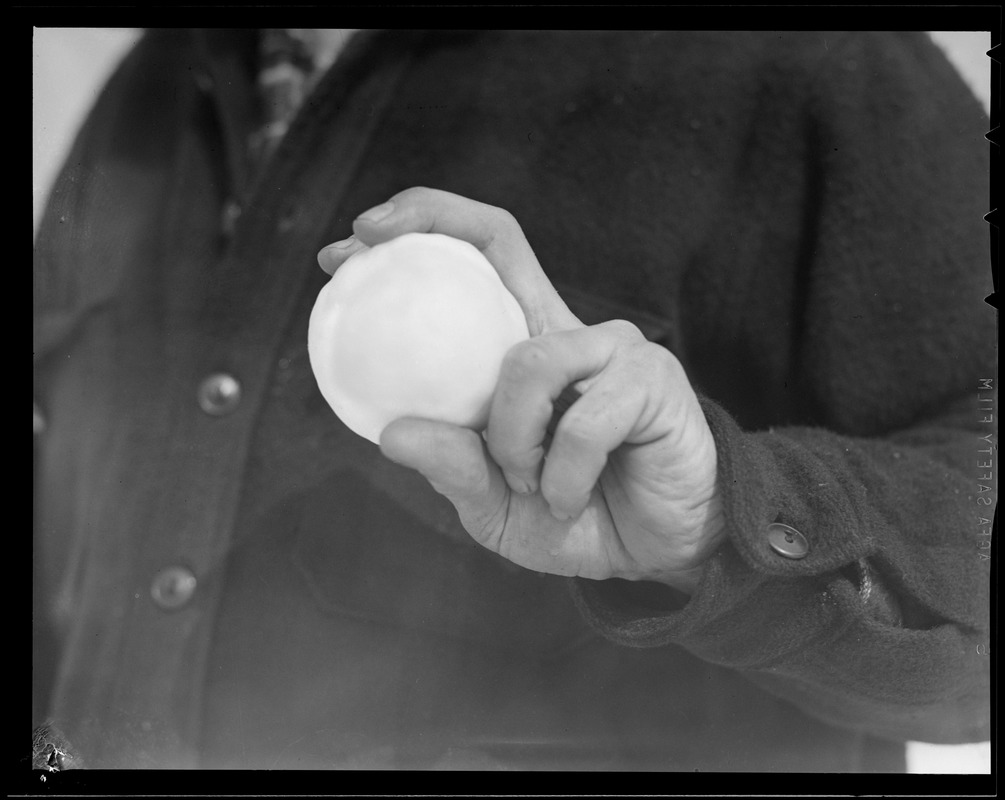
797, 216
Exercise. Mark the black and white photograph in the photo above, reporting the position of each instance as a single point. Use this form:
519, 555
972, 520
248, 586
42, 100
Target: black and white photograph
509, 400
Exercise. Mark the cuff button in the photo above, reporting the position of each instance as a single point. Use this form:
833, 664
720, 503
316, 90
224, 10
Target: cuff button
787, 541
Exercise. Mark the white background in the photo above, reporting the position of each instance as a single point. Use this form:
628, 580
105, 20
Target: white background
69, 65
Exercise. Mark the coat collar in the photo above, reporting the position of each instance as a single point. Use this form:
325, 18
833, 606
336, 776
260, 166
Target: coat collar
227, 71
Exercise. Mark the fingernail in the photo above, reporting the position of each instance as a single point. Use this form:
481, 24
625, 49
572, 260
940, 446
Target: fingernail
561, 516
331, 255
342, 244
377, 213
328, 252
516, 484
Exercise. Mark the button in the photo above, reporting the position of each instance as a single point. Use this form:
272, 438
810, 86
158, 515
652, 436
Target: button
228, 217
219, 394
787, 541
173, 587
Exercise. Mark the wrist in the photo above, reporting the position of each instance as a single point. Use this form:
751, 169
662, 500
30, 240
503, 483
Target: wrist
687, 577
684, 581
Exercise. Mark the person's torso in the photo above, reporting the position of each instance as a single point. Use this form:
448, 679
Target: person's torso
340, 617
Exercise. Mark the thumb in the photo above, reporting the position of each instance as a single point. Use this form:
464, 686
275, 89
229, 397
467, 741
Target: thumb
457, 465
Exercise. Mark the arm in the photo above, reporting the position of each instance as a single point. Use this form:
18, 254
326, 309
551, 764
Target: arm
883, 625
652, 494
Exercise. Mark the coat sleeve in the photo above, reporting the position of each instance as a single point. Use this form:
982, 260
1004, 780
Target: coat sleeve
883, 624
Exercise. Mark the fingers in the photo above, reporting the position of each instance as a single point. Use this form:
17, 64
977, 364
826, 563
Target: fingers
606, 365
532, 377
334, 255
422, 210
492, 230
596, 424
455, 462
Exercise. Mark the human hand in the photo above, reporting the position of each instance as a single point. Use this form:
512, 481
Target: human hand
627, 485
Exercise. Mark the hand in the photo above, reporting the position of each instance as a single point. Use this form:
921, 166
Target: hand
627, 486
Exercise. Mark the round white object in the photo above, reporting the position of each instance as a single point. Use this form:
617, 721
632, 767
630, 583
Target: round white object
414, 327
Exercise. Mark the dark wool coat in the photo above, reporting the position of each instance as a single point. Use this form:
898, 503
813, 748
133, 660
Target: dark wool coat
235, 580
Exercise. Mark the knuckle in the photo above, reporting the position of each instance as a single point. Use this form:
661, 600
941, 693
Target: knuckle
525, 359
414, 193
651, 361
501, 225
504, 219
667, 364
623, 330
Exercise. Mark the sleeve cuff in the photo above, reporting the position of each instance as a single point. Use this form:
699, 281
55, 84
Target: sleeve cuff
761, 598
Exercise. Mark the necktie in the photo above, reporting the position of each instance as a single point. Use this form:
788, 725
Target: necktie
286, 67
